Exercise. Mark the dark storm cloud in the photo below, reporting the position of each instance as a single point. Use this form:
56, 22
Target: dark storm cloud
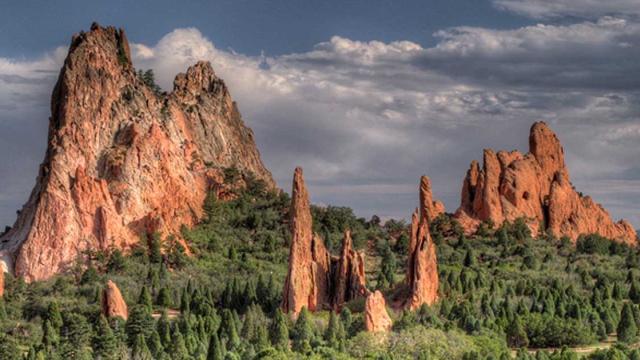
366, 119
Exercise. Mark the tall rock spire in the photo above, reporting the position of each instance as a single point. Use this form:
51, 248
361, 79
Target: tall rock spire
422, 265
113, 304
124, 159
315, 279
534, 186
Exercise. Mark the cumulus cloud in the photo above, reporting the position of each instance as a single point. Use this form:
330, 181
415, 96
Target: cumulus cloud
366, 119
561, 8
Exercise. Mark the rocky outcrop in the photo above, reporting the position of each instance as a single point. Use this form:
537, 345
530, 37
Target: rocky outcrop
422, 266
1, 283
316, 279
122, 158
113, 304
376, 317
536, 187
349, 277
430, 207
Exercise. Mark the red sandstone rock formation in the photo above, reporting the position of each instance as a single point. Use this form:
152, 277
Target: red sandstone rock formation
535, 186
316, 280
123, 160
422, 267
1, 282
113, 304
349, 276
431, 208
376, 317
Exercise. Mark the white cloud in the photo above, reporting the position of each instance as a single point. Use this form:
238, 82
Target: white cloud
578, 8
365, 119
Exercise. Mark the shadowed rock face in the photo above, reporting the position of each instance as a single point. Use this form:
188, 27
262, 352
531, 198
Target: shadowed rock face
113, 304
376, 317
316, 280
122, 160
535, 186
422, 268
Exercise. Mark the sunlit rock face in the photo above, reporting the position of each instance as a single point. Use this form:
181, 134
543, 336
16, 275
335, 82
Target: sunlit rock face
124, 160
316, 280
534, 186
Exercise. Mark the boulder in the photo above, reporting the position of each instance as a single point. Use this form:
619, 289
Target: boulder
113, 304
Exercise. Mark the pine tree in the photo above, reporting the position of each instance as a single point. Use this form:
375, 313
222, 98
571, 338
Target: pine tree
469, 259
334, 334
105, 344
634, 293
9, 349
139, 349
627, 330
145, 299
303, 332
155, 248
139, 322
164, 329
54, 316
155, 345
229, 330
280, 332
516, 335
178, 348
347, 320
164, 298
50, 336
76, 337
215, 348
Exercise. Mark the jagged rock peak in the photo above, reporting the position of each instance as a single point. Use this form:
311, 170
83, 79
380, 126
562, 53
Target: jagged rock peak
376, 317
422, 264
124, 159
113, 304
534, 186
350, 277
429, 207
315, 279
300, 286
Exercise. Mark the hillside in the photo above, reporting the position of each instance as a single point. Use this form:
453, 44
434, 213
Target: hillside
499, 288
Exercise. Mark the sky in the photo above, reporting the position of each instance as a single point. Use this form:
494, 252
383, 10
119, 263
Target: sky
366, 96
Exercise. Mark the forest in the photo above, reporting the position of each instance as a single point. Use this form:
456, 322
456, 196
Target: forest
504, 293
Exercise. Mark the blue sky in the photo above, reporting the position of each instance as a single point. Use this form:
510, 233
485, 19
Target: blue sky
365, 95
249, 27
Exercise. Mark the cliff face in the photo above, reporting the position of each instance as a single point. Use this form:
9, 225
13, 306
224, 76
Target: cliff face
122, 160
535, 186
316, 279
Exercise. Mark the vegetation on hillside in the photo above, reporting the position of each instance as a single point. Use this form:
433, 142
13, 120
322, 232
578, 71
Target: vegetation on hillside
503, 294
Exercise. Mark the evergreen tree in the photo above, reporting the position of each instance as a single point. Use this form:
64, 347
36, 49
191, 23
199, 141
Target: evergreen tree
469, 259
215, 348
54, 316
303, 332
50, 336
178, 348
76, 337
145, 299
140, 322
334, 334
347, 320
627, 330
634, 293
9, 349
155, 248
164, 298
516, 335
139, 349
280, 332
105, 344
